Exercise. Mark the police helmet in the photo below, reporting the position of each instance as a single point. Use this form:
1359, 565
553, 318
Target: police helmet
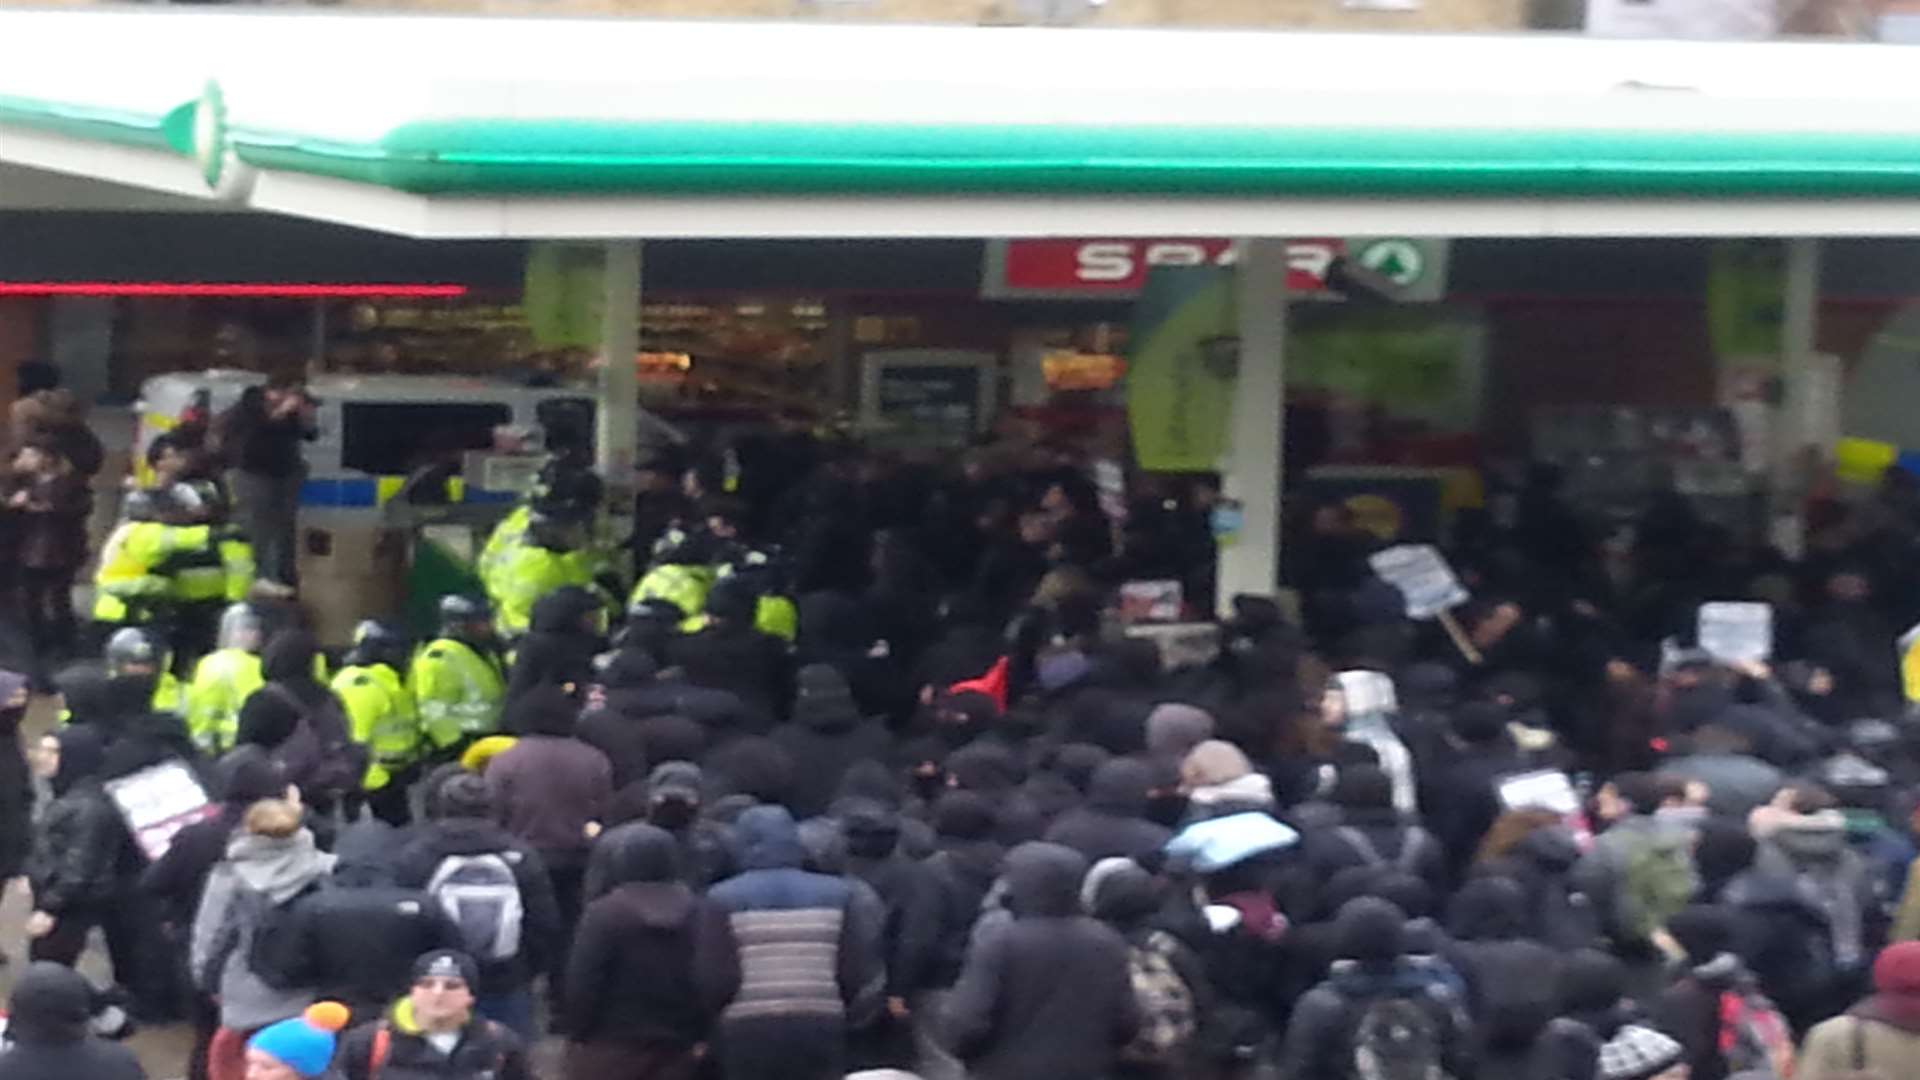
132, 647
655, 609
555, 532
243, 626
377, 642
460, 613
565, 490
144, 505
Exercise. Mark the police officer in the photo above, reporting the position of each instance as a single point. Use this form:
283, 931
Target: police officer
224, 678
135, 652
547, 547
130, 588
682, 574
382, 716
459, 680
553, 555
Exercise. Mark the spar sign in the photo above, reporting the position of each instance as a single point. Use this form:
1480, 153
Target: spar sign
1092, 269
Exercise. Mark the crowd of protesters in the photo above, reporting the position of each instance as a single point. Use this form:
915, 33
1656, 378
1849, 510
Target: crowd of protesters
962, 825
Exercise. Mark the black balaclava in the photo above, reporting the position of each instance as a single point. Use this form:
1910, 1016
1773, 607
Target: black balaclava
83, 753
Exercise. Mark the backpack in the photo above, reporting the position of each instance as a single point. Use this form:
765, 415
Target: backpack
1169, 1018
1754, 1039
480, 894
1658, 883
275, 952
1398, 1038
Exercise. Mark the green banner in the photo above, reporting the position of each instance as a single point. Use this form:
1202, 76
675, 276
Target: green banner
1181, 368
565, 294
1746, 298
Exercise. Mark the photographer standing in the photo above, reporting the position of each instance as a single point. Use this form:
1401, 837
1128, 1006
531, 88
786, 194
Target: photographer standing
260, 439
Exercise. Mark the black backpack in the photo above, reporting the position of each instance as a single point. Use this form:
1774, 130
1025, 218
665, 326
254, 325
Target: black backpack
1398, 1037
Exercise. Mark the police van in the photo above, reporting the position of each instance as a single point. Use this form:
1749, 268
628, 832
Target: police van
374, 430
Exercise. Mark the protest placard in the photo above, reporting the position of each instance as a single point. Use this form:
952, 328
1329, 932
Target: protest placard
157, 802
1737, 632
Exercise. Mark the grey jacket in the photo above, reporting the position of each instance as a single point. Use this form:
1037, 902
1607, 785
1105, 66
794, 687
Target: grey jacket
258, 875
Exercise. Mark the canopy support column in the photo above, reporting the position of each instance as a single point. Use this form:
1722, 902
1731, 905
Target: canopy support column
619, 408
1251, 474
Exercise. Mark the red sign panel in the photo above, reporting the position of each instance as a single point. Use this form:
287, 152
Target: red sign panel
1118, 268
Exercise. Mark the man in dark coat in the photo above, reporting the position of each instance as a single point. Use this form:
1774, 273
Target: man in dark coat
1370, 833
1467, 796
49, 1022
1047, 993
908, 888
639, 694
560, 644
730, 654
1375, 968
653, 964
1113, 822
827, 734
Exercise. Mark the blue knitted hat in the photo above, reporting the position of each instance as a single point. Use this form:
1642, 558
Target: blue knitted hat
304, 1043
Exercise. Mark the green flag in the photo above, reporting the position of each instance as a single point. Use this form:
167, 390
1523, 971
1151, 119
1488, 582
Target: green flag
565, 294
1746, 297
1181, 366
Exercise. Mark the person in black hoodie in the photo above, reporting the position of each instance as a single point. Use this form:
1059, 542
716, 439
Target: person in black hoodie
834, 629
461, 823
989, 768
1047, 993
965, 866
562, 638
1510, 976
639, 694
1113, 822
827, 733
674, 794
623, 738
16, 783
320, 754
730, 654
1376, 977
83, 862
353, 939
911, 895
653, 964
49, 1023
1467, 795
1370, 833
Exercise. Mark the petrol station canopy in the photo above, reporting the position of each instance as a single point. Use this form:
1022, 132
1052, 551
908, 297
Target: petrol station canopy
506, 127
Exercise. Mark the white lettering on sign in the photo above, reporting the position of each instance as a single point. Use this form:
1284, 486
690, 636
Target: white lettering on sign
1311, 257
1105, 262
1114, 260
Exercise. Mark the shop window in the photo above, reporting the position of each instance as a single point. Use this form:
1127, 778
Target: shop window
395, 438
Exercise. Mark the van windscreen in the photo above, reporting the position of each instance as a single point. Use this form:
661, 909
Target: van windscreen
394, 438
